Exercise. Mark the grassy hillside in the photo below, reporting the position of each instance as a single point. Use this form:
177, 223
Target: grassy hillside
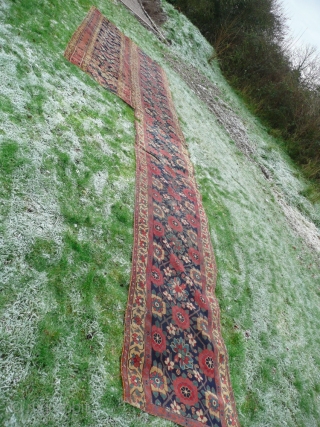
66, 197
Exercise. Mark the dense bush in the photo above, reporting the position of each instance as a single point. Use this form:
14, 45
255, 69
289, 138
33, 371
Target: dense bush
248, 37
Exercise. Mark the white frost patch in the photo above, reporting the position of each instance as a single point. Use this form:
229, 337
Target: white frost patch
124, 159
76, 302
105, 148
126, 126
123, 262
5, 7
301, 225
18, 329
89, 123
98, 384
100, 180
187, 41
8, 82
123, 186
35, 215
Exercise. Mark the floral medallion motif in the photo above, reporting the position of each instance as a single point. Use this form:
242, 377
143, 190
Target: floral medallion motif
157, 196
212, 403
158, 306
156, 276
185, 391
201, 300
202, 326
174, 224
158, 212
192, 236
158, 381
190, 194
194, 255
176, 263
177, 289
207, 363
158, 229
158, 340
195, 276
158, 252
183, 355
192, 221
181, 317
157, 184
155, 170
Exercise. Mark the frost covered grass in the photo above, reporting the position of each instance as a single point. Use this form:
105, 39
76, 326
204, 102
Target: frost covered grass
268, 277
67, 184
66, 199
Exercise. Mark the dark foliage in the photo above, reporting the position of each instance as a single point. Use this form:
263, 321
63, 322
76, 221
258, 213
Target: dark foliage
248, 38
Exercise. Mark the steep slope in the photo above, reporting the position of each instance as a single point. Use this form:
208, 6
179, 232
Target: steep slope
67, 174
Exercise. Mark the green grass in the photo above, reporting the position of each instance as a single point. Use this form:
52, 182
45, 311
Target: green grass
67, 170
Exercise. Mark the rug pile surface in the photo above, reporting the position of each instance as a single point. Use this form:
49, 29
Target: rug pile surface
174, 362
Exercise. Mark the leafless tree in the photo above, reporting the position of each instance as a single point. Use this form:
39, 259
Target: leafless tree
306, 62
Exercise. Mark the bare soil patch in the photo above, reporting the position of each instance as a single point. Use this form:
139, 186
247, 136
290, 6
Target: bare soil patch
154, 10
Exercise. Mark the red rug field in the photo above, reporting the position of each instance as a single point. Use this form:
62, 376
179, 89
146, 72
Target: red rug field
174, 362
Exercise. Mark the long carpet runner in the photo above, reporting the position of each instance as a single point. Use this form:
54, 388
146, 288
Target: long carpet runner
174, 362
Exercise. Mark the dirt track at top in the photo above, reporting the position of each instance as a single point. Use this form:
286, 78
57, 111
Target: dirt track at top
136, 8
149, 13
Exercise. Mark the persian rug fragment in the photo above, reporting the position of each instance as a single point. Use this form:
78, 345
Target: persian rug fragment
174, 362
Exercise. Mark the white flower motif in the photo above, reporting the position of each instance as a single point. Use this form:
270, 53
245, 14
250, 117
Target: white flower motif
189, 281
166, 243
167, 271
186, 259
175, 407
169, 363
171, 329
197, 375
190, 306
201, 416
192, 341
167, 295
